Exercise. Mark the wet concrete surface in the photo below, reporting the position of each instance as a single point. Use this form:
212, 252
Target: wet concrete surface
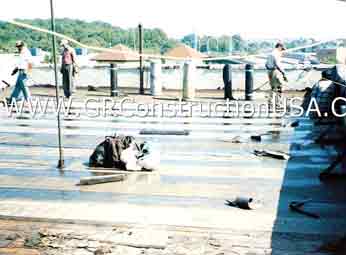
197, 174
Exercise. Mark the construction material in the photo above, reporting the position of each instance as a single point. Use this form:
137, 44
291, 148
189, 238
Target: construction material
164, 132
236, 139
149, 157
245, 203
292, 124
108, 153
273, 154
297, 207
102, 179
256, 138
6, 83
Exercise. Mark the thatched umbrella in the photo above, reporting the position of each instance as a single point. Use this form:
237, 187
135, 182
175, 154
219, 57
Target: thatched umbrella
185, 51
121, 54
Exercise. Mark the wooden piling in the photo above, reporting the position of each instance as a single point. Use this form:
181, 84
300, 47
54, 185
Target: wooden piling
227, 80
114, 80
141, 69
248, 82
155, 78
188, 81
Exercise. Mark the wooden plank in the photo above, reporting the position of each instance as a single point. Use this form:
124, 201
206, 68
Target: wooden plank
18, 251
102, 179
164, 132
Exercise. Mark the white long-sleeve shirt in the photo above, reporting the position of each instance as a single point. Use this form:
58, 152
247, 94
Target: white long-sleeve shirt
274, 61
25, 58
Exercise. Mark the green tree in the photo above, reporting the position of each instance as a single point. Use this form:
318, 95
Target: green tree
95, 33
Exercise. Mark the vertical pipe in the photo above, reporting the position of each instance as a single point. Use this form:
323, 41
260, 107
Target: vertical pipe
114, 80
141, 71
147, 78
155, 78
61, 152
227, 80
248, 81
188, 86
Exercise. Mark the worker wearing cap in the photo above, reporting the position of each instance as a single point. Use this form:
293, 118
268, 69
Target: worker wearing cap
23, 68
276, 73
68, 65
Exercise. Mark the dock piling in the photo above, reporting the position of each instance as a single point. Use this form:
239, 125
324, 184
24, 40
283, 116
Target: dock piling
141, 68
188, 86
155, 78
248, 82
227, 80
114, 80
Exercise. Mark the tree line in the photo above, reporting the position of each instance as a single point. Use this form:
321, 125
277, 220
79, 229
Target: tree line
95, 33
98, 33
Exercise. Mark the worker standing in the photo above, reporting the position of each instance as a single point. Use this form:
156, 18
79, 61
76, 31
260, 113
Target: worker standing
68, 68
276, 74
23, 68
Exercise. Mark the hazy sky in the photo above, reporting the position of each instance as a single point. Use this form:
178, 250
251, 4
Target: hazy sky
251, 18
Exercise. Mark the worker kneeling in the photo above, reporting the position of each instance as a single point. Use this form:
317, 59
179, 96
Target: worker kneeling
140, 158
123, 153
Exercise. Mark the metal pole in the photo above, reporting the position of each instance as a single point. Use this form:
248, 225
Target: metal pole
155, 78
141, 70
114, 80
188, 81
61, 152
248, 82
227, 80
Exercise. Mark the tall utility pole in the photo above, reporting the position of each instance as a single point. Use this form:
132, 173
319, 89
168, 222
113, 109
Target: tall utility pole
61, 152
141, 70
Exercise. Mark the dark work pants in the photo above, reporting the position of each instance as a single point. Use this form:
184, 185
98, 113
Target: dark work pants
67, 79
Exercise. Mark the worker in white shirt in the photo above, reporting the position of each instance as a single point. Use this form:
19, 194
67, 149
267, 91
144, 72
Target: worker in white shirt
276, 73
23, 67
